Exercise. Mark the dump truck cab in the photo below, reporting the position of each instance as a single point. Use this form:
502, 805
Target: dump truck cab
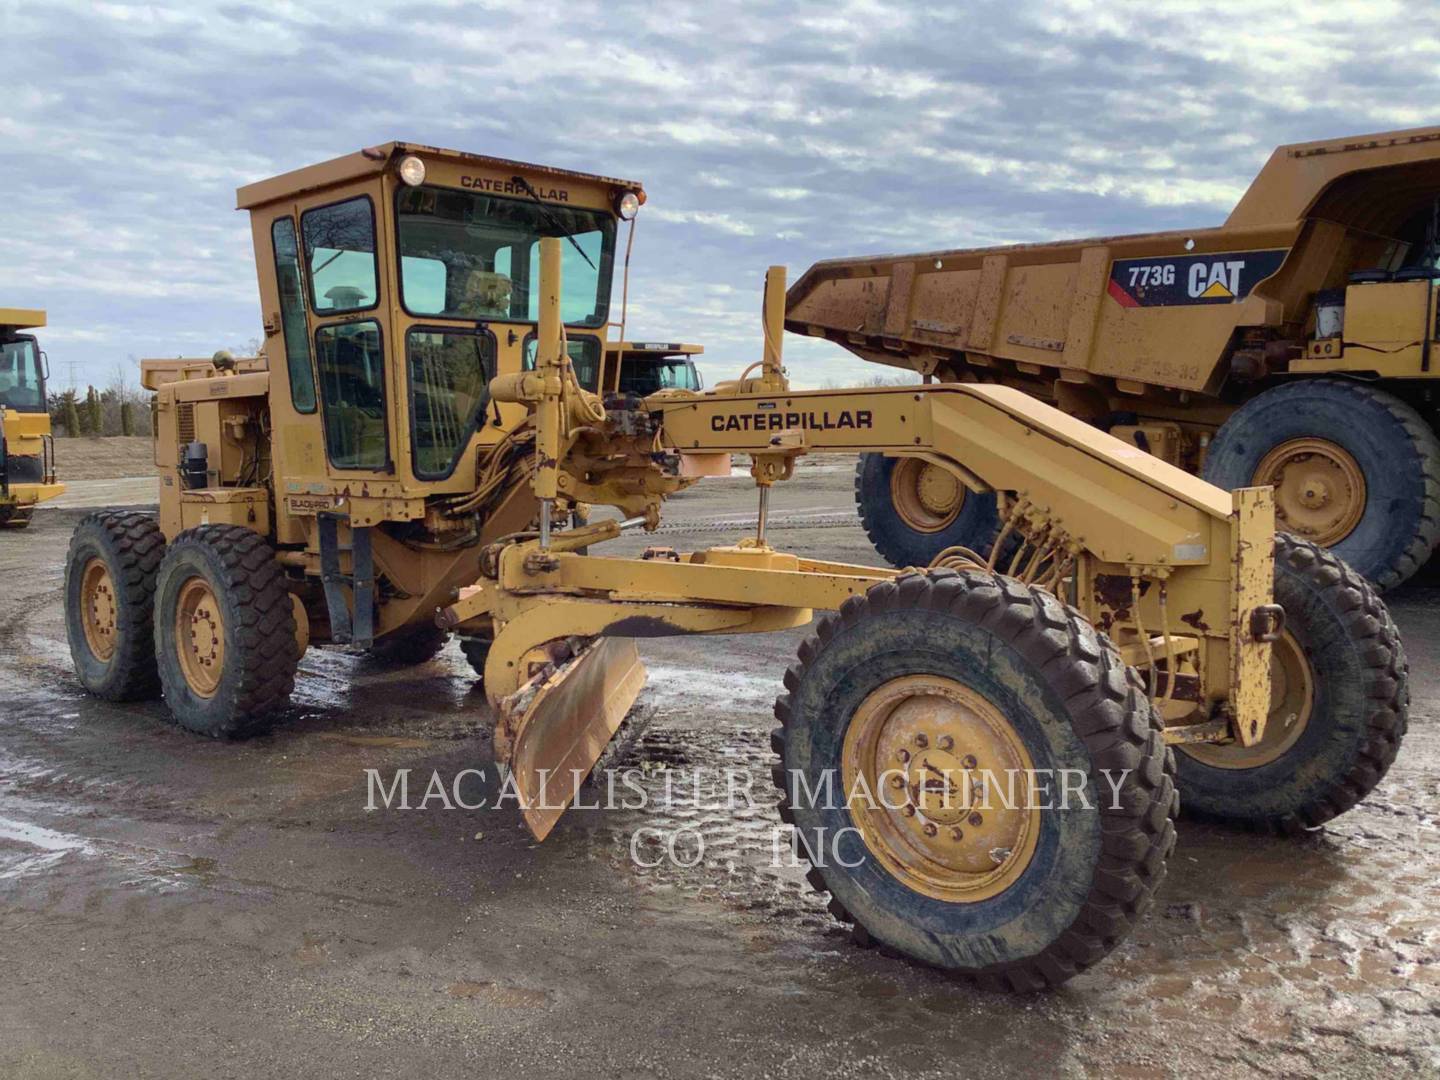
27, 452
645, 367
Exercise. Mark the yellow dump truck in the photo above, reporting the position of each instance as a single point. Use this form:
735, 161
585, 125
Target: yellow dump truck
1292, 346
27, 451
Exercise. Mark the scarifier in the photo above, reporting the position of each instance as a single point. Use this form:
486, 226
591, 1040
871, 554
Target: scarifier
410, 465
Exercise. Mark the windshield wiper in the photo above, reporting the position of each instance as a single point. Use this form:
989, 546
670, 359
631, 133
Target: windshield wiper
550, 219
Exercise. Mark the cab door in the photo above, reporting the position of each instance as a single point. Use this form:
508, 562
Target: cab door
339, 253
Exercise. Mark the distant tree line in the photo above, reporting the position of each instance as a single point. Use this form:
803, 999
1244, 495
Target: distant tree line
121, 408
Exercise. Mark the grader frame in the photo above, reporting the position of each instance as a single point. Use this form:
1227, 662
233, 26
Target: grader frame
1176, 569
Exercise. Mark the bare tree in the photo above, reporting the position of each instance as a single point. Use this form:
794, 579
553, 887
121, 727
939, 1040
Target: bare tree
123, 401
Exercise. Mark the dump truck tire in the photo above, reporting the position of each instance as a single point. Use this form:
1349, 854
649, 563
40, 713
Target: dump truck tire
1354, 469
109, 604
908, 530
1025, 682
410, 647
224, 632
1339, 709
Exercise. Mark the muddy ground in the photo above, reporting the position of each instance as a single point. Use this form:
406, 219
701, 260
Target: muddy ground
171, 906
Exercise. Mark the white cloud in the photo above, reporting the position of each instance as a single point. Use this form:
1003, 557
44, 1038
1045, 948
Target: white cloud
833, 128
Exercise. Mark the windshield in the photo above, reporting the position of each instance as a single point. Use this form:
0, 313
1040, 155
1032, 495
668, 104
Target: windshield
22, 386
647, 376
471, 256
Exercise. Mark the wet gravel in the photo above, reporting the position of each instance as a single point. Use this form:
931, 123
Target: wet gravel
171, 906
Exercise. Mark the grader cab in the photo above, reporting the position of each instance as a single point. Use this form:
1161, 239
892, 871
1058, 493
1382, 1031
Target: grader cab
976, 756
1293, 345
27, 449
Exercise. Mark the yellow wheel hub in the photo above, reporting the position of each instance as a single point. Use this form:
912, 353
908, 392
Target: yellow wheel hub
200, 636
1292, 699
927, 497
1319, 489
927, 764
99, 609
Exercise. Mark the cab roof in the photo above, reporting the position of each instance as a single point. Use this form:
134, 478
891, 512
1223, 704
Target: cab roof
21, 318
653, 349
376, 159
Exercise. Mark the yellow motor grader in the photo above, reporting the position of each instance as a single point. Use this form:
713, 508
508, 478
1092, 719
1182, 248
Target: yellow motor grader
27, 450
976, 758
1291, 346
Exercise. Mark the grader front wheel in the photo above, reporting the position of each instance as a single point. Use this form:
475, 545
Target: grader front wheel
976, 777
1339, 705
224, 632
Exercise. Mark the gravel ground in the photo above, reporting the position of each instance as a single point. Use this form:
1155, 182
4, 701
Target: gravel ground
104, 459
171, 906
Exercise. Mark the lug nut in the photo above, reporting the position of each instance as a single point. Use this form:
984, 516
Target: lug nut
922, 740
908, 811
903, 755
969, 761
930, 829
976, 819
897, 781
945, 742
957, 833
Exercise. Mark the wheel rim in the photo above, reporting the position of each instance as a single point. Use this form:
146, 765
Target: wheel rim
927, 766
1292, 700
200, 636
927, 497
1319, 489
99, 609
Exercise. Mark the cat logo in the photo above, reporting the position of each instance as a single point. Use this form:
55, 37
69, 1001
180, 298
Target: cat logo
1220, 280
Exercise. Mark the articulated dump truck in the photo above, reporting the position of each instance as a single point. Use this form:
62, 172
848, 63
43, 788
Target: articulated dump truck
979, 762
1294, 346
27, 449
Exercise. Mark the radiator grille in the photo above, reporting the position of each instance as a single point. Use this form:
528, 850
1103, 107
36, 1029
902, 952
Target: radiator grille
185, 422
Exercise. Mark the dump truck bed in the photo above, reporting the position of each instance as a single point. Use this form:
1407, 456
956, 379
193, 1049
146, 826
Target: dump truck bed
1164, 308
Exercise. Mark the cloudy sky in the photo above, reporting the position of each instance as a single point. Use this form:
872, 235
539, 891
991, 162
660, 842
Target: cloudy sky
763, 133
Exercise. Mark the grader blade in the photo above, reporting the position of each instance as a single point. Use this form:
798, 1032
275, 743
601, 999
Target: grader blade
560, 724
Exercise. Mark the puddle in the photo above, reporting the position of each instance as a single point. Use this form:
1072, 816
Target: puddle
45, 839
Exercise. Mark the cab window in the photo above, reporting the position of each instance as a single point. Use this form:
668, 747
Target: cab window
21, 386
340, 256
292, 316
351, 362
467, 255
450, 373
